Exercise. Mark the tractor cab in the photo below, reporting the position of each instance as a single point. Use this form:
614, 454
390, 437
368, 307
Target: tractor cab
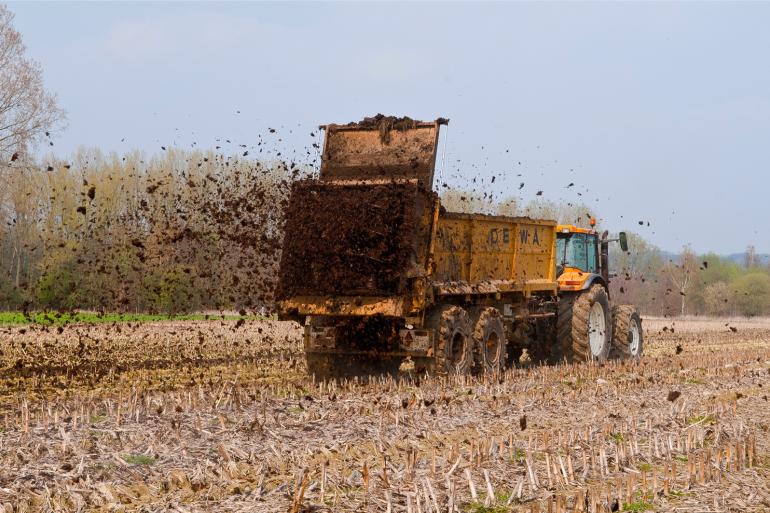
582, 256
577, 257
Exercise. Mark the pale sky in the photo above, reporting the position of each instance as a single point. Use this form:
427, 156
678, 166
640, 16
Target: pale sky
656, 112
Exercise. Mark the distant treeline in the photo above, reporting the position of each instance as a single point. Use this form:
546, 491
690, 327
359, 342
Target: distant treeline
690, 284
191, 231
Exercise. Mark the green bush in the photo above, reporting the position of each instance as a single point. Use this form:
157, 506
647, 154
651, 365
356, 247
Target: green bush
171, 290
10, 296
752, 294
58, 288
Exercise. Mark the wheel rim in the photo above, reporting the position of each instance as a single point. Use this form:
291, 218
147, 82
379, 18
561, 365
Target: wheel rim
635, 341
597, 330
492, 348
457, 351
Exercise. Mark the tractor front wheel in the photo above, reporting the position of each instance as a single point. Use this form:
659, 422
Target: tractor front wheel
627, 338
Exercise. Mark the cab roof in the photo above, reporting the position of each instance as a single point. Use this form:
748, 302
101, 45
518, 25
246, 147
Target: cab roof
571, 228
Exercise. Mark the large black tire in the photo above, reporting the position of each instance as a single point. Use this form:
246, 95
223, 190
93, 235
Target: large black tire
489, 340
573, 326
454, 344
627, 338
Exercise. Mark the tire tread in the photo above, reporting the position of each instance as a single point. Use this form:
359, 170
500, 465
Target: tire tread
572, 323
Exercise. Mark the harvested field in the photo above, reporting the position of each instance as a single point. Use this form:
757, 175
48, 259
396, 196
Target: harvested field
219, 416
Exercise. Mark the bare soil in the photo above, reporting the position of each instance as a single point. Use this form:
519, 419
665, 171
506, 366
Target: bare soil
219, 416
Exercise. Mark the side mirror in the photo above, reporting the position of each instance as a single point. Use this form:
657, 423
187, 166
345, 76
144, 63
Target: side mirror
623, 241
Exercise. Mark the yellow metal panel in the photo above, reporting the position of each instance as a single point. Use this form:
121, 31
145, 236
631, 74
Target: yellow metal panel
536, 252
492, 250
452, 250
512, 253
322, 305
573, 279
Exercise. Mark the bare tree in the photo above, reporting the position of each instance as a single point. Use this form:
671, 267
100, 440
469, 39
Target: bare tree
458, 200
27, 110
563, 212
683, 274
750, 258
508, 206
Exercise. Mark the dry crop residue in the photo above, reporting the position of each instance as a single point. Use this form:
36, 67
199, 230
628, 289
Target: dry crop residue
280, 442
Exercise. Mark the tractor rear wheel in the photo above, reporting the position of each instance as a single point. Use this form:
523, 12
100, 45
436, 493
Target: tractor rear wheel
583, 325
454, 344
489, 340
627, 339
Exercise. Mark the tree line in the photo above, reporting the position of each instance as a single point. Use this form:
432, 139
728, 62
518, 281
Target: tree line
690, 284
174, 233
188, 231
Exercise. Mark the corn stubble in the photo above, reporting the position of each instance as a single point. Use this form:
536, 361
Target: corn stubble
219, 416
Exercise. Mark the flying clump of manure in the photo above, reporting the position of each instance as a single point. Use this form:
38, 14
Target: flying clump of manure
385, 124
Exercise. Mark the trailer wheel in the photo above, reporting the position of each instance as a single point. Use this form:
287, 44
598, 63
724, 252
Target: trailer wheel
583, 325
454, 344
490, 340
627, 338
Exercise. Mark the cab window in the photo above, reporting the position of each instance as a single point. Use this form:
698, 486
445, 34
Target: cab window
577, 250
591, 265
578, 255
